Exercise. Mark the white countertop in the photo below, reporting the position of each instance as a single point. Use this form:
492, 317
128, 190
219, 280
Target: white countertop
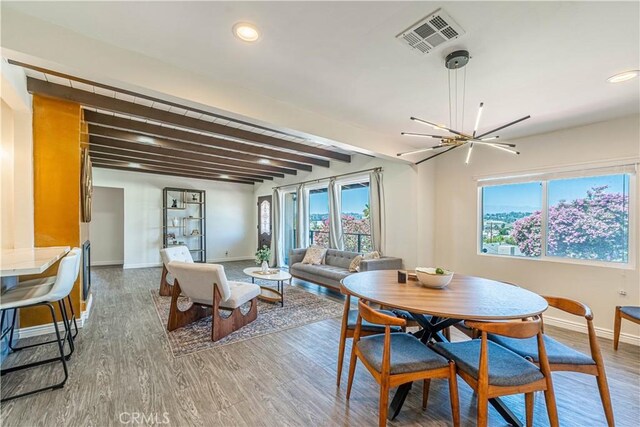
19, 262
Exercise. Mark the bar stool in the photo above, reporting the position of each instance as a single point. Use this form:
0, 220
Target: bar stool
46, 295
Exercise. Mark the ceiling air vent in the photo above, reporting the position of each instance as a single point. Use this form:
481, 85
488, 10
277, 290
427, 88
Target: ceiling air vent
431, 32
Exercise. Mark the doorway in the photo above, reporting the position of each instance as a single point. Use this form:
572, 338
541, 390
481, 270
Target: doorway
106, 229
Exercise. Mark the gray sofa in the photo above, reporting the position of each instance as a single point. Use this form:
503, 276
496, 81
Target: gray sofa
336, 266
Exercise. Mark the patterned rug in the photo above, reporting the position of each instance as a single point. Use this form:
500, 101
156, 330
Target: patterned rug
300, 308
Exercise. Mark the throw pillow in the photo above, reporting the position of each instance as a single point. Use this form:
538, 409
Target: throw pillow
314, 255
355, 264
371, 255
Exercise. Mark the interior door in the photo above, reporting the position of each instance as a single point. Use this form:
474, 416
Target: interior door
264, 221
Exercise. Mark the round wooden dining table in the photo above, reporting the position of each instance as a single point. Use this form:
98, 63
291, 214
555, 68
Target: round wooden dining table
466, 297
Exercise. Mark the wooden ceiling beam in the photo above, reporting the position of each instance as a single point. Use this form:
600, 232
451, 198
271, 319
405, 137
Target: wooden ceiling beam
185, 136
137, 138
117, 105
125, 167
147, 148
172, 165
101, 149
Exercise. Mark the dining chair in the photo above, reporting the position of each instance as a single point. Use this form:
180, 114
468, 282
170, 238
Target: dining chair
349, 321
398, 358
172, 253
210, 291
17, 298
564, 358
629, 312
493, 371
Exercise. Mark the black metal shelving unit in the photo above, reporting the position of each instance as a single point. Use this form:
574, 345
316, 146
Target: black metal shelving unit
184, 222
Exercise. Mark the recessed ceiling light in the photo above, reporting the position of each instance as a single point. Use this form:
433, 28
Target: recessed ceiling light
246, 32
623, 77
145, 139
134, 165
264, 161
224, 176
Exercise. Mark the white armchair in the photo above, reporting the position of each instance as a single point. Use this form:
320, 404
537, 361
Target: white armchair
209, 290
173, 253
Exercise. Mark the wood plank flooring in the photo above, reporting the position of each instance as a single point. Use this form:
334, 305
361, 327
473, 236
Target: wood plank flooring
123, 367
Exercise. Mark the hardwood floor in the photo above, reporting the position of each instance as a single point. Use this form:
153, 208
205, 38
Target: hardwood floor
123, 367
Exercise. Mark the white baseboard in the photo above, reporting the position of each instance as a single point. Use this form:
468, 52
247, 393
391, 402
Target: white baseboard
101, 263
232, 258
582, 327
34, 331
142, 265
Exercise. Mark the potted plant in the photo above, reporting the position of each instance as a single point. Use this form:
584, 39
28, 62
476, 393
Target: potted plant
263, 255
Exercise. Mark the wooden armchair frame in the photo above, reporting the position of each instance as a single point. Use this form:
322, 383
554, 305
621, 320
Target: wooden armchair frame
220, 326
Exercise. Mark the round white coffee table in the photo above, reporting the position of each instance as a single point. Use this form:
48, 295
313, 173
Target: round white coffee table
275, 275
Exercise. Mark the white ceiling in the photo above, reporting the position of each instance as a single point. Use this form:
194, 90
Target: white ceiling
341, 59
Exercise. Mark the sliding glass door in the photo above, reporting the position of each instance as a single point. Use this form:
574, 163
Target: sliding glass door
290, 224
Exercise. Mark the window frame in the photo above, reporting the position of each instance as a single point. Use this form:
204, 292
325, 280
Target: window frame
544, 179
360, 179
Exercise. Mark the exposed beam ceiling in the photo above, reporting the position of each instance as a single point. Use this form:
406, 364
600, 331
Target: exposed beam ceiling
185, 136
184, 146
124, 107
167, 164
223, 168
146, 169
148, 148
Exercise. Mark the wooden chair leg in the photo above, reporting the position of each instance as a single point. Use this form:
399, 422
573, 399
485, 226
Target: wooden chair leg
177, 318
483, 409
352, 370
552, 410
447, 333
343, 339
221, 327
166, 289
384, 403
616, 328
603, 388
528, 403
425, 393
453, 395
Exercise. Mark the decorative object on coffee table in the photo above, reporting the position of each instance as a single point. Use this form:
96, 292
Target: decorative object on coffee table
262, 258
269, 294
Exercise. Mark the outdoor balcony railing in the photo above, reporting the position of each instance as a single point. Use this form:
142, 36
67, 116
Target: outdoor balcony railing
354, 242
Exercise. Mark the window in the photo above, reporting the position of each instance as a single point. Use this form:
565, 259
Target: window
584, 218
356, 227
511, 219
319, 217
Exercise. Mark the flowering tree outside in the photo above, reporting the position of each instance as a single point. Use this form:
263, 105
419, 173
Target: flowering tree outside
351, 227
594, 227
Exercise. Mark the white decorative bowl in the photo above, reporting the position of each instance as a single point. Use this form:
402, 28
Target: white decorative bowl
428, 277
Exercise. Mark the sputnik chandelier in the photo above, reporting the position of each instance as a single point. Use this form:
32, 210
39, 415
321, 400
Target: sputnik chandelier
454, 62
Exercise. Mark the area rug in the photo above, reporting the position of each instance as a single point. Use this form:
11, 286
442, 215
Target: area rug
300, 308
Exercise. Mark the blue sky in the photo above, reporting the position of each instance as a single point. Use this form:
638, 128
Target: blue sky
353, 200
527, 197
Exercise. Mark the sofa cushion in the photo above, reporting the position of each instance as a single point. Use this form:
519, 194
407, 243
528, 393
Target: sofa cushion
354, 266
326, 271
314, 256
338, 258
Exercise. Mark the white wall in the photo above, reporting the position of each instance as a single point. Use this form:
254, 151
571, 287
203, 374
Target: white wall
16, 155
230, 215
456, 217
106, 229
400, 188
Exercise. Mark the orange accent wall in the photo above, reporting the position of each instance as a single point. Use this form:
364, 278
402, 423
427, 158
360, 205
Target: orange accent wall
56, 182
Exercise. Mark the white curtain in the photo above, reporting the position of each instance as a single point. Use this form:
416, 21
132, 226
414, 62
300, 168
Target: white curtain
335, 221
277, 229
376, 211
302, 196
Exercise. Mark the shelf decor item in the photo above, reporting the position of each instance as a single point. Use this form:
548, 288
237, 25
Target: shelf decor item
184, 220
262, 258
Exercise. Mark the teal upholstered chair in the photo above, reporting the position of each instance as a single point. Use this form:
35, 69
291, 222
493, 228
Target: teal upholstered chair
564, 358
398, 358
493, 371
349, 320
